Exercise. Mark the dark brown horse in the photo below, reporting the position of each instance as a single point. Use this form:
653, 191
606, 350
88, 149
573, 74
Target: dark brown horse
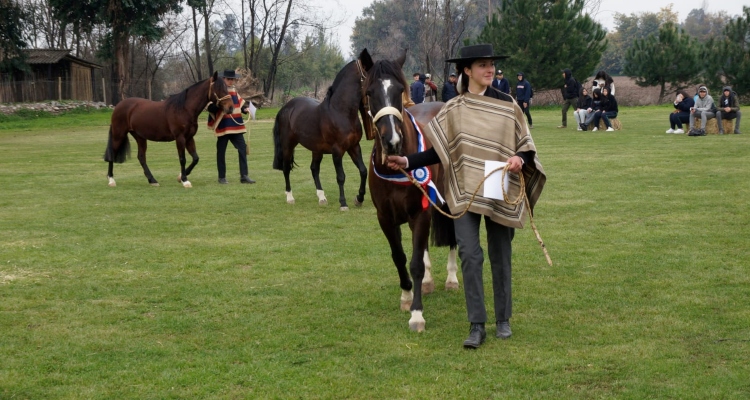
398, 202
163, 121
327, 127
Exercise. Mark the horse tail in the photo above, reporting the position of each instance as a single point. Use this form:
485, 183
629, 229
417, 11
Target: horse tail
278, 148
123, 152
443, 231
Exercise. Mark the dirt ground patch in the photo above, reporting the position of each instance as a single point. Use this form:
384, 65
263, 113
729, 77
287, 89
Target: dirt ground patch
626, 92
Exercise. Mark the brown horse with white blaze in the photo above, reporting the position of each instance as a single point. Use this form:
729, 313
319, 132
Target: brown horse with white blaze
174, 119
398, 201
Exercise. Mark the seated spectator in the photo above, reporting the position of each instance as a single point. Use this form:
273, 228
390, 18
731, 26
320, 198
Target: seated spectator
603, 80
596, 105
729, 108
705, 109
608, 110
681, 114
582, 107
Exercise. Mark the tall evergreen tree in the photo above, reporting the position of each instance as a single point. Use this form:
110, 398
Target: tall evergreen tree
671, 57
11, 36
542, 37
728, 59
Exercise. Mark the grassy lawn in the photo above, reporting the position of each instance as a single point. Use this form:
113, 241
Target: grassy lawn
226, 291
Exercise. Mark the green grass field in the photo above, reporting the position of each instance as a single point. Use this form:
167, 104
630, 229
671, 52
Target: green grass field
226, 291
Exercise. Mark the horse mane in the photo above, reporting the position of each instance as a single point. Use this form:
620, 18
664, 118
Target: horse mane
177, 101
387, 68
336, 82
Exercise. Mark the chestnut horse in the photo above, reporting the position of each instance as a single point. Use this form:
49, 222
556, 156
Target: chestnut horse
163, 121
398, 202
328, 127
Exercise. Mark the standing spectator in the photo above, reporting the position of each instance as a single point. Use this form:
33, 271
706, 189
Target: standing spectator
230, 128
729, 108
705, 109
681, 114
500, 83
417, 89
608, 110
570, 93
523, 96
582, 108
449, 88
602, 80
430, 89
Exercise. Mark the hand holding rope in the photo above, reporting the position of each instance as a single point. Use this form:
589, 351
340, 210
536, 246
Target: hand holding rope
521, 198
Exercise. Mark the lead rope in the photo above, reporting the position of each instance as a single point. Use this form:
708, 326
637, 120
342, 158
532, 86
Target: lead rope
521, 198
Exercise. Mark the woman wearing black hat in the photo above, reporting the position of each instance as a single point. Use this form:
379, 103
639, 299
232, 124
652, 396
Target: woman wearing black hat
480, 124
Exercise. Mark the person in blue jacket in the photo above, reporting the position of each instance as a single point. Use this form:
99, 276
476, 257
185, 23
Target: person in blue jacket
523, 96
500, 83
417, 89
681, 114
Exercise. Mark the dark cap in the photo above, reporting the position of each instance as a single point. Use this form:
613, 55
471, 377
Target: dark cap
475, 52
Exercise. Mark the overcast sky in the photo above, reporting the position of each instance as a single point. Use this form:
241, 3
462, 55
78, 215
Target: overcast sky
351, 9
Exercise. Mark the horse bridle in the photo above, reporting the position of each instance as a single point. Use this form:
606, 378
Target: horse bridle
218, 100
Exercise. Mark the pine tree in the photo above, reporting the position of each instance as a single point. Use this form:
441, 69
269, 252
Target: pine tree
543, 37
728, 59
671, 57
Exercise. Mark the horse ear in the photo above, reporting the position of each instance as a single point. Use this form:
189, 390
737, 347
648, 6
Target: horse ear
402, 58
216, 76
365, 59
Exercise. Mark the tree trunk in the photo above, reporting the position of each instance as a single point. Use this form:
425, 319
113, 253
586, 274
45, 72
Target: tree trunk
207, 39
275, 60
198, 68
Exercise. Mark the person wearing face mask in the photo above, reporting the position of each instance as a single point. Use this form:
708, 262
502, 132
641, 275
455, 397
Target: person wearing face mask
480, 124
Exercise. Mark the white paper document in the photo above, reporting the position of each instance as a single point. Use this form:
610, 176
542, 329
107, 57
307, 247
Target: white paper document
492, 186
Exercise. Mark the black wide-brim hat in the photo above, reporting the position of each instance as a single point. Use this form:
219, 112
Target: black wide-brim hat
229, 73
476, 52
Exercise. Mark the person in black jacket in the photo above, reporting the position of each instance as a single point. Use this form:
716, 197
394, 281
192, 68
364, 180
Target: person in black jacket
582, 108
449, 88
609, 110
476, 69
570, 95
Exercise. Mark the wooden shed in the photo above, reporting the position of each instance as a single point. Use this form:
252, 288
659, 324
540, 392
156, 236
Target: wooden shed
55, 75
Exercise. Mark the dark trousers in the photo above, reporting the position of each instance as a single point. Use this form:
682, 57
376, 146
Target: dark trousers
677, 119
499, 240
605, 115
238, 140
525, 111
566, 105
721, 115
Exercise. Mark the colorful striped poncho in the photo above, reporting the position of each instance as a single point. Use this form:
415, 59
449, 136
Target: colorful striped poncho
229, 124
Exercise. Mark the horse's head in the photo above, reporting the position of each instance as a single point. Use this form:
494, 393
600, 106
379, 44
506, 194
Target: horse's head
218, 93
384, 88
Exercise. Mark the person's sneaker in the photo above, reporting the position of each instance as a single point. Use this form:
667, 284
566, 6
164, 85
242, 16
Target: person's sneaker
583, 127
679, 131
670, 130
610, 129
596, 128
531, 126
721, 132
477, 335
503, 330
562, 126
579, 128
223, 181
246, 179
736, 132
702, 132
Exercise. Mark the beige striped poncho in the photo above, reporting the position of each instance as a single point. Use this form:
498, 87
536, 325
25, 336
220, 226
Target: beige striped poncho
465, 133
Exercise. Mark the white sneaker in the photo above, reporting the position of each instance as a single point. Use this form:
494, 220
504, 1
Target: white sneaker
670, 130
579, 129
679, 131
610, 129
596, 128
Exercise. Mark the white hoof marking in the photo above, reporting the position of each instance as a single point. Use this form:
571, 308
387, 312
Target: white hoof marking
321, 198
344, 209
112, 182
406, 299
451, 283
187, 184
417, 322
289, 198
